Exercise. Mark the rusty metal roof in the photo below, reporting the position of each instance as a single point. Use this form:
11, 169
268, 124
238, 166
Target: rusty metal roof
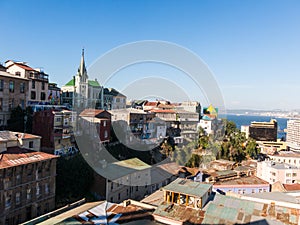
230, 210
16, 156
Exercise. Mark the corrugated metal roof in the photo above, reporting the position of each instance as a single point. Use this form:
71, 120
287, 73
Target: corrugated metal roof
188, 187
230, 210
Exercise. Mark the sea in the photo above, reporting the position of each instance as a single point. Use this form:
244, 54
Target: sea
241, 120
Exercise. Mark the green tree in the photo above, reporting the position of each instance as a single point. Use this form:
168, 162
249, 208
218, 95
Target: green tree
74, 179
251, 148
194, 161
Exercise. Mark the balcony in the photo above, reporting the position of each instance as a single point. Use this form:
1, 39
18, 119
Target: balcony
39, 76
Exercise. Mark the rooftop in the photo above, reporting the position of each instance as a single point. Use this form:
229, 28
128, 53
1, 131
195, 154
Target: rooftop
279, 166
100, 213
13, 136
15, 156
188, 187
174, 212
122, 168
91, 112
230, 210
252, 180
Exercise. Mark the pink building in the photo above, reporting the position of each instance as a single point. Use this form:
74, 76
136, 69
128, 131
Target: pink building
271, 172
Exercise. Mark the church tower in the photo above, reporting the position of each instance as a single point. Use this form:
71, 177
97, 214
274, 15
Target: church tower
81, 84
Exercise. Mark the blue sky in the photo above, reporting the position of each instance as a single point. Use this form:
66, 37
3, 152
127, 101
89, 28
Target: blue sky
251, 46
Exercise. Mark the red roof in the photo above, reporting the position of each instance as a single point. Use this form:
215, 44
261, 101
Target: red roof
15, 156
163, 111
151, 103
91, 112
23, 66
292, 187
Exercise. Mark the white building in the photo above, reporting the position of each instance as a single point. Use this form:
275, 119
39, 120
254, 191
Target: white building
272, 172
293, 135
245, 130
81, 91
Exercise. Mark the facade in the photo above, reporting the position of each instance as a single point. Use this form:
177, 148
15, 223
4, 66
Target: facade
188, 122
271, 172
13, 92
54, 97
56, 129
16, 139
113, 99
289, 157
132, 179
242, 185
245, 130
263, 131
188, 193
140, 124
27, 179
81, 91
96, 122
191, 106
38, 81
293, 135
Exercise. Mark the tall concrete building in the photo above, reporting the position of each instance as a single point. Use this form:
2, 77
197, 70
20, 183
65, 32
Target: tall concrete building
293, 135
263, 131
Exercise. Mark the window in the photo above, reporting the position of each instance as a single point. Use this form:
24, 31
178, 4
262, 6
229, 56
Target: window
22, 87
22, 103
11, 86
32, 95
119, 196
33, 84
38, 189
294, 174
104, 123
46, 188
1, 85
112, 186
105, 134
18, 198
7, 201
43, 96
11, 103
58, 119
28, 194
288, 175
1, 103
30, 144
43, 85
18, 179
18, 73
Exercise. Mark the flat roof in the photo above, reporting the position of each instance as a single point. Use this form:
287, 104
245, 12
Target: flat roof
6, 135
188, 187
122, 168
252, 180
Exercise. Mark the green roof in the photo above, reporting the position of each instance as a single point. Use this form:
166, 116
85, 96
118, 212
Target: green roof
70, 83
93, 83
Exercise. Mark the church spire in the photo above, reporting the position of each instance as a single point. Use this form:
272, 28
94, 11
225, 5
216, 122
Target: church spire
82, 69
